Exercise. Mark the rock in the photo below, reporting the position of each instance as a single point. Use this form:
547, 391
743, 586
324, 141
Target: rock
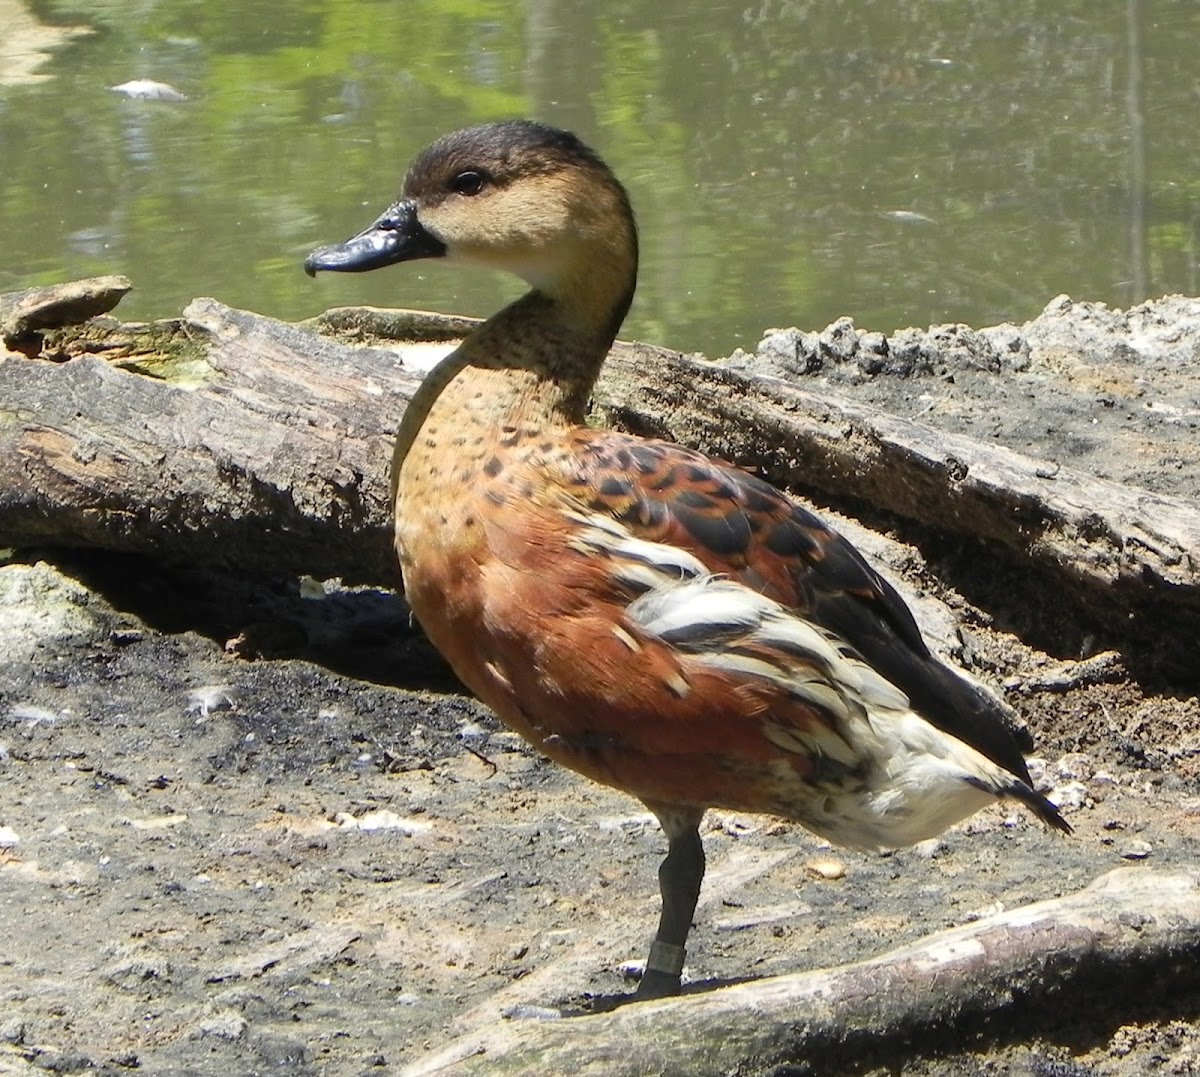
872, 352
1010, 345
961, 347
1070, 796
907, 354
1074, 766
41, 606
839, 340
1037, 770
1164, 329
542, 1013
790, 350
225, 1025
1136, 849
827, 867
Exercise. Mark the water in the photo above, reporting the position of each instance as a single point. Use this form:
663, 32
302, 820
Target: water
901, 161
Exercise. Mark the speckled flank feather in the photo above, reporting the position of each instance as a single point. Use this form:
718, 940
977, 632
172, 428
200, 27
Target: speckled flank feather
662, 622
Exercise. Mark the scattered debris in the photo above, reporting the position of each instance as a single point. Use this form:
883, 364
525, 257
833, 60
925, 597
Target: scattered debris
383, 819
149, 90
211, 698
161, 822
827, 868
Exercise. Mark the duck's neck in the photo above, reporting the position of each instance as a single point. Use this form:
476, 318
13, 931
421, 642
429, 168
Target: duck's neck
530, 367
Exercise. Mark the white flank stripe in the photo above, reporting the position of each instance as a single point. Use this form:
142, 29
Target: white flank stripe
606, 534
706, 609
700, 602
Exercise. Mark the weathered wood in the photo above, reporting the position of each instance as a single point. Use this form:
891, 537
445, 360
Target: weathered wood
24, 315
250, 443
1131, 927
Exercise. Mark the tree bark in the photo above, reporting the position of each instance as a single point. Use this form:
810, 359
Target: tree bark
221, 438
1132, 927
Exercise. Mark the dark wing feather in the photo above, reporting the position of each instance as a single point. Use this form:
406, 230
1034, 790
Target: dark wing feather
742, 527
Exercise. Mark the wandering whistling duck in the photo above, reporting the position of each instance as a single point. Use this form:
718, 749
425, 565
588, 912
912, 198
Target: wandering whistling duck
664, 623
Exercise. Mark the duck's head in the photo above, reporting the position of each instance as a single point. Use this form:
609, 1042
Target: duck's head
519, 196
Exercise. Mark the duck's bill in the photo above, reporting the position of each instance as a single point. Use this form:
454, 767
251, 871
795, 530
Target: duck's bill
396, 236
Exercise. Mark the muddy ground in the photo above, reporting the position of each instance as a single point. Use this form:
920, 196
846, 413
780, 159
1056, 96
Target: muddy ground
248, 826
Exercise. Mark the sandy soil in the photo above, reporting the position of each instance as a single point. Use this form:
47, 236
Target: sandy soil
249, 826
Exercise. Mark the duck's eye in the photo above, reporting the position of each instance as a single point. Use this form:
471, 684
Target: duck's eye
468, 183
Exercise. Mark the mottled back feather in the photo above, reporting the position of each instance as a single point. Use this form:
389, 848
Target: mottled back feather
742, 527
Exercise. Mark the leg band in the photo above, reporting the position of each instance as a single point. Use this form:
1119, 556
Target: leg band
664, 957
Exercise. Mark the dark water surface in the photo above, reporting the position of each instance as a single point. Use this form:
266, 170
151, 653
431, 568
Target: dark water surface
901, 161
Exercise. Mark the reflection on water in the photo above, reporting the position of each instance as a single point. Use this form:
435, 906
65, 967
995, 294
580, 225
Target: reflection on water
902, 161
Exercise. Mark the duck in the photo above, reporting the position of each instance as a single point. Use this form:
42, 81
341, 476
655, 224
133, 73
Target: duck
659, 621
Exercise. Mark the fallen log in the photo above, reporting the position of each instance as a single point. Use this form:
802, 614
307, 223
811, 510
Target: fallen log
1133, 927
221, 438
224, 437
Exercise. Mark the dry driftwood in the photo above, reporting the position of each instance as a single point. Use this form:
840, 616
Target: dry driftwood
25, 316
220, 438
1131, 927
227, 437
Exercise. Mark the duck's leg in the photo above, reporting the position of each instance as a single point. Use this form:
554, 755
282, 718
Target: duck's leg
679, 878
